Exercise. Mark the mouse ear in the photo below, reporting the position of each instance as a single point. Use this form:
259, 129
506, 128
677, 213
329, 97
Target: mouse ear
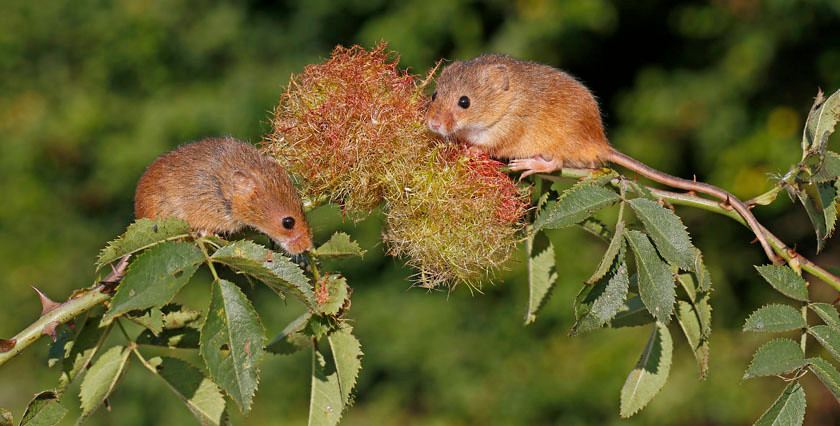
242, 181
499, 76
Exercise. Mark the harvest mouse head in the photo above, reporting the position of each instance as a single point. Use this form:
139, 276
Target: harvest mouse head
471, 97
266, 200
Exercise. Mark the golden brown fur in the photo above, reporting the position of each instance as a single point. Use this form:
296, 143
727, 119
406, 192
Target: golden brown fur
221, 186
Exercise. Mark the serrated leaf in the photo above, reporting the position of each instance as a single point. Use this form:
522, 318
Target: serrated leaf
339, 246
703, 306
668, 232
775, 318
336, 294
325, 404
690, 324
830, 169
822, 118
828, 337
182, 338
632, 313
650, 373
347, 354
541, 279
292, 339
827, 373
828, 194
775, 357
809, 197
154, 278
612, 250
575, 205
142, 234
199, 393
785, 281
275, 270
152, 319
598, 303
102, 377
232, 342
86, 344
176, 316
656, 281
827, 313
701, 273
43, 410
597, 177
789, 408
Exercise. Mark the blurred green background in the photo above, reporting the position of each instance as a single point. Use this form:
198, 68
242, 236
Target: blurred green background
92, 91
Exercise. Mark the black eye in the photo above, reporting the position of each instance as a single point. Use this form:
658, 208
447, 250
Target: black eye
434, 96
464, 102
288, 222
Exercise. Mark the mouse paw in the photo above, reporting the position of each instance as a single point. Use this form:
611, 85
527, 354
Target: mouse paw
534, 165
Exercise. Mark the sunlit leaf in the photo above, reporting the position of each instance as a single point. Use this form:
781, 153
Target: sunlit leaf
43, 410
102, 377
650, 373
827, 373
785, 280
822, 118
612, 250
598, 303
775, 318
789, 408
337, 292
198, 392
154, 278
232, 342
541, 279
656, 281
575, 205
828, 337
776, 357
339, 246
292, 339
326, 402
690, 324
667, 231
827, 313
86, 344
347, 354
151, 319
142, 234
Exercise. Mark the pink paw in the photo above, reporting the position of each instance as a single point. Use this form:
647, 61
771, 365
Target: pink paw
534, 165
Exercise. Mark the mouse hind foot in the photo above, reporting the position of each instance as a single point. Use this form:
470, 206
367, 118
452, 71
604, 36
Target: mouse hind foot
533, 165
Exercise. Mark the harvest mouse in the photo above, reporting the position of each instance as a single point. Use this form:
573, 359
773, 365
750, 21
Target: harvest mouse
541, 119
221, 185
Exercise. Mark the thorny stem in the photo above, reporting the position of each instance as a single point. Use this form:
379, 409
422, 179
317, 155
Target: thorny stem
794, 259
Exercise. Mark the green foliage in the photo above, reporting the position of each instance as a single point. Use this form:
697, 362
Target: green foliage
140, 235
775, 318
616, 243
326, 403
667, 231
777, 356
199, 393
347, 354
574, 206
542, 276
88, 340
656, 281
6, 418
335, 291
828, 313
292, 338
785, 281
45, 409
698, 341
829, 338
598, 303
102, 377
232, 342
339, 246
789, 409
820, 125
827, 373
650, 373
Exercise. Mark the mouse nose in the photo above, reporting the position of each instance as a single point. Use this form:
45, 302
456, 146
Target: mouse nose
435, 125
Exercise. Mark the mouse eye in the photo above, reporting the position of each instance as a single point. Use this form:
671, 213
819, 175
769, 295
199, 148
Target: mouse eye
288, 222
434, 96
464, 102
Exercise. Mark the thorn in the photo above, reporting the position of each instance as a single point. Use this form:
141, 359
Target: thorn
755, 240
117, 273
7, 345
692, 193
695, 178
107, 404
47, 305
49, 329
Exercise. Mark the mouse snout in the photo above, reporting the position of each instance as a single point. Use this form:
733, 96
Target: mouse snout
298, 243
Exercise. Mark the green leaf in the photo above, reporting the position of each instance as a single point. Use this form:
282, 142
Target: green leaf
326, 402
154, 278
598, 303
340, 246
292, 339
703, 307
573, 206
650, 373
775, 318
810, 199
612, 250
775, 357
541, 279
44, 410
690, 323
102, 377
827, 374
347, 354
152, 319
828, 199
830, 169
176, 316
597, 177
828, 337
275, 270
785, 281
232, 342
827, 313
142, 234
198, 392
667, 231
86, 344
632, 313
64, 336
182, 338
789, 408
822, 118
701, 273
337, 292
656, 281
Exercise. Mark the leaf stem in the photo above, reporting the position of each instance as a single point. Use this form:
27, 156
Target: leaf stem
200, 242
